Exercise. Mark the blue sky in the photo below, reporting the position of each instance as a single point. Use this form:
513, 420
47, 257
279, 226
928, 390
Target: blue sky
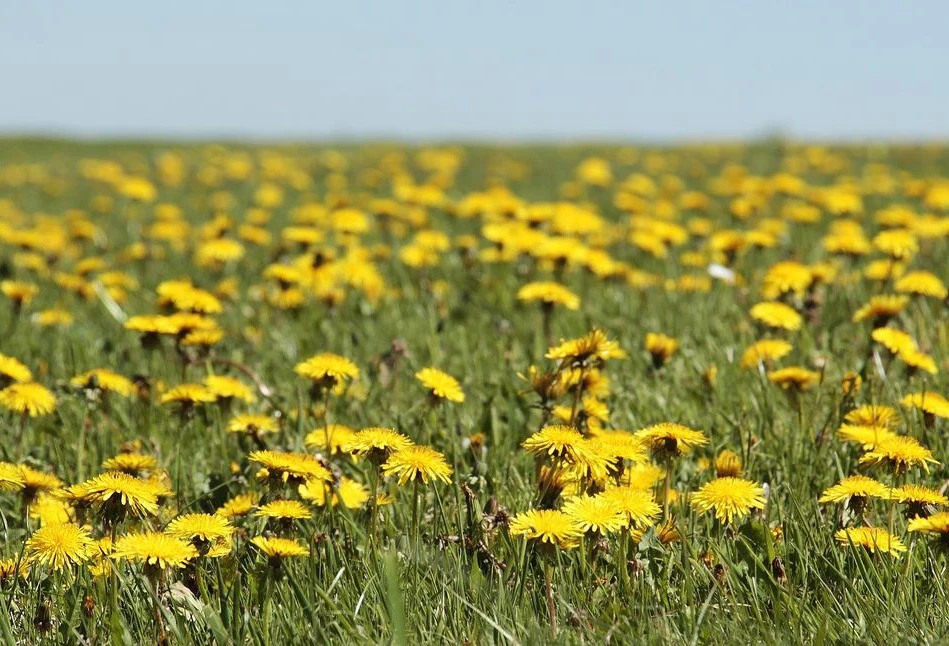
486, 70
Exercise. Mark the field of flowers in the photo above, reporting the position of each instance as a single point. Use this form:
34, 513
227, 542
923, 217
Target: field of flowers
388, 394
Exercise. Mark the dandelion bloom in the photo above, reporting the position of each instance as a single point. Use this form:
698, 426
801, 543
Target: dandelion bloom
917, 360
131, 463
868, 436
103, 379
253, 424
156, 550
938, 523
294, 468
901, 453
116, 492
794, 377
279, 548
223, 387
777, 315
549, 293
671, 439
59, 545
929, 402
873, 539
637, 505
21, 293
417, 464
202, 527
727, 464
855, 486
238, 506
765, 351
597, 514
786, 277
284, 509
377, 443
922, 283
12, 567
440, 384
14, 370
546, 526
332, 437
919, 500
595, 347
729, 498
352, 494
30, 399
188, 395
35, 481
660, 347
896, 341
328, 367
881, 308
11, 477
555, 441
873, 415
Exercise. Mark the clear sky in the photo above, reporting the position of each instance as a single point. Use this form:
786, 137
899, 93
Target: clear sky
488, 70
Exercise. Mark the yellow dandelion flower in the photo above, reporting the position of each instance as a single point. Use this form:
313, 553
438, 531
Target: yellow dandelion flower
868, 436
352, 494
922, 283
29, 399
188, 395
794, 377
873, 415
285, 509
727, 464
729, 498
670, 439
115, 492
873, 539
660, 347
417, 464
938, 523
156, 550
253, 424
777, 315
901, 453
131, 463
547, 526
550, 294
279, 548
765, 351
238, 506
292, 468
332, 437
856, 486
59, 545
596, 514
14, 370
11, 477
555, 441
636, 504
103, 379
881, 309
376, 443
228, 388
203, 527
929, 402
440, 384
331, 368
594, 348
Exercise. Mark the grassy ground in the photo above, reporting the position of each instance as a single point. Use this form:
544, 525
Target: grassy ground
775, 575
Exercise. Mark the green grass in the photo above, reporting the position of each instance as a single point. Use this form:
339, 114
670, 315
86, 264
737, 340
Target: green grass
716, 585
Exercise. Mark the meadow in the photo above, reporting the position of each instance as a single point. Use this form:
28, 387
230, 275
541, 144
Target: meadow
474, 394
